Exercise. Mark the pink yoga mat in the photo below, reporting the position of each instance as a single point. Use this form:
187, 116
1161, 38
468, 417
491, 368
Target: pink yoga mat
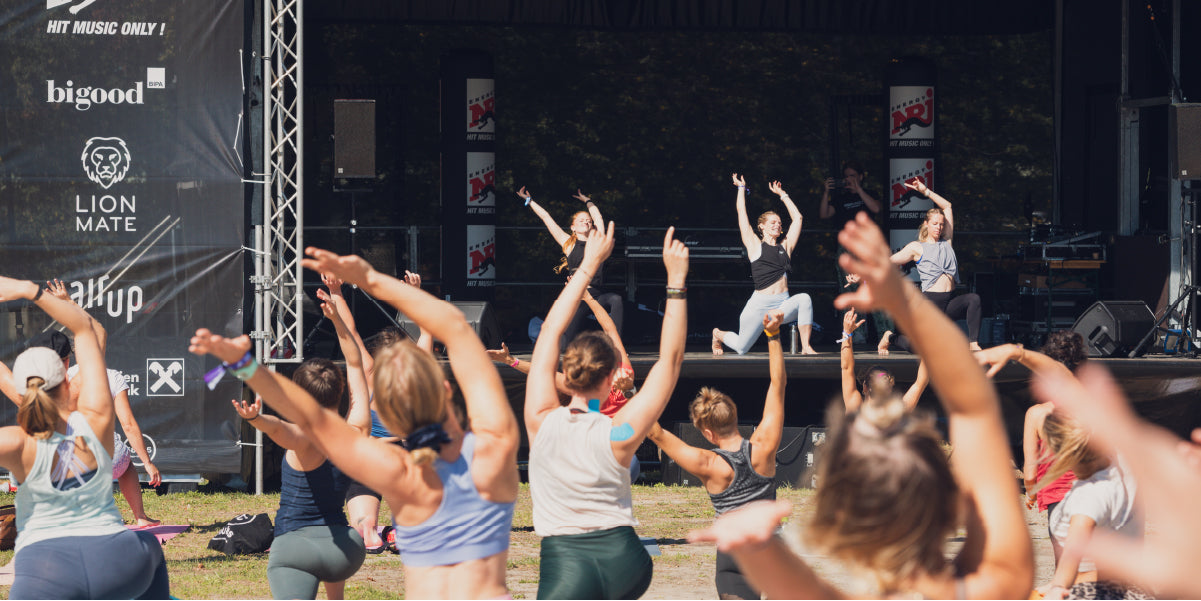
162, 532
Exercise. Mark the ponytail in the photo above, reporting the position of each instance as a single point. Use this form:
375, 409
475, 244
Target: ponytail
38, 414
568, 245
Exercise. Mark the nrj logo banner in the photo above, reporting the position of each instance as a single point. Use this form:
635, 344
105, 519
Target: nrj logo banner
123, 133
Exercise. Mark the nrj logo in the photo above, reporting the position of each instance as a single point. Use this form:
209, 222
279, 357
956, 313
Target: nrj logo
911, 108
74, 9
105, 160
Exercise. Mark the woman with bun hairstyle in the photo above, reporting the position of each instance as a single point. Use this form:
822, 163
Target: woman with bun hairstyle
888, 496
451, 492
877, 382
738, 471
61, 453
584, 225
771, 261
579, 458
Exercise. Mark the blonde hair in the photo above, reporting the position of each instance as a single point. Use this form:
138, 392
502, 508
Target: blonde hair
569, 244
763, 219
588, 360
1068, 441
923, 232
409, 392
886, 498
713, 410
38, 414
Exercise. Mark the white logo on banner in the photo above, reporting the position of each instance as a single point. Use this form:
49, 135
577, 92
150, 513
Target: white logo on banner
165, 377
74, 9
481, 183
100, 293
156, 78
151, 450
105, 160
481, 255
84, 97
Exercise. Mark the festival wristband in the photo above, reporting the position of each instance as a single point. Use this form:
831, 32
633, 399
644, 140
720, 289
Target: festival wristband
515, 363
771, 335
40, 290
243, 369
677, 293
528, 199
845, 336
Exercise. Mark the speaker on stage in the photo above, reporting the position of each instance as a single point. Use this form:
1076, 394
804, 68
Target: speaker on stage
1110, 328
794, 459
354, 139
1184, 140
478, 313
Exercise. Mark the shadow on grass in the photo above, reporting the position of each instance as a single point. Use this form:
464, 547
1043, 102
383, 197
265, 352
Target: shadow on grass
671, 541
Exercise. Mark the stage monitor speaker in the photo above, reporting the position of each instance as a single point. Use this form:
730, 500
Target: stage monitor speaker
1184, 140
1111, 328
354, 139
795, 459
479, 315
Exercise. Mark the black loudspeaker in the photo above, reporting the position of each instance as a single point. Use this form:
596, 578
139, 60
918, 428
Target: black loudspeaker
354, 139
478, 313
1111, 328
795, 458
1184, 140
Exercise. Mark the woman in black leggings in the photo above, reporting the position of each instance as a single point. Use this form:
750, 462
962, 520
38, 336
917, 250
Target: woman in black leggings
583, 224
938, 267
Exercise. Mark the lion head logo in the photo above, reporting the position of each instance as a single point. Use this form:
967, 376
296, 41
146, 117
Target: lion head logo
105, 160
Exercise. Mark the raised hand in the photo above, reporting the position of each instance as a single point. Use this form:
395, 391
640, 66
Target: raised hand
917, 184
675, 258
229, 350
248, 411
773, 320
328, 309
996, 358
580, 196
739, 180
523, 193
333, 282
502, 355
829, 184
852, 279
880, 284
777, 188
598, 248
349, 268
412, 279
746, 528
57, 289
849, 324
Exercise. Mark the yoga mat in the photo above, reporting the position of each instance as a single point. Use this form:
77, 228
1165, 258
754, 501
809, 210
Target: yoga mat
162, 532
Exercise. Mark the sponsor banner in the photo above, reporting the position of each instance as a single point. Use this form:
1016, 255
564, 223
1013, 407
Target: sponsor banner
120, 132
481, 183
481, 110
481, 256
911, 116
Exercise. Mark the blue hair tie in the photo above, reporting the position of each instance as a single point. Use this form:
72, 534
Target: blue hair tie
431, 436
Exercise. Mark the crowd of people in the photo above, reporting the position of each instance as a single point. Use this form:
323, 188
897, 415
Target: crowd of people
891, 489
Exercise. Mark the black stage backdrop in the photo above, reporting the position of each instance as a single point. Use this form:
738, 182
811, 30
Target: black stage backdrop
120, 175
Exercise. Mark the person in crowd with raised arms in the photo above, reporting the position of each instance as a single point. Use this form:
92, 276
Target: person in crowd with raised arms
1062, 353
314, 543
771, 261
738, 471
938, 267
68, 526
579, 458
887, 495
451, 492
877, 383
584, 225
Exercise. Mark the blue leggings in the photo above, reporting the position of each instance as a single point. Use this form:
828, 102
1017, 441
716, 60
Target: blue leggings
798, 308
125, 565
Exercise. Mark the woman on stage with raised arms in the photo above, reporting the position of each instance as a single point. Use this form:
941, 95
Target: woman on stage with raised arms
771, 260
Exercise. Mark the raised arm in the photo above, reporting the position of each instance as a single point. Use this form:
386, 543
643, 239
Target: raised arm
794, 228
334, 286
698, 462
492, 419
851, 397
645, 408
541, 396
914, 394
749, 239
766, 439
504, 356
997, 557
910, 253
288, 436
598, 221
942, 203
359, 413
997, 357
556, 232
606, 323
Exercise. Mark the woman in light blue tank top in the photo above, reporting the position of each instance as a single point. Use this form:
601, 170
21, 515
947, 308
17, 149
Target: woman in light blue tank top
436, 465
68, 527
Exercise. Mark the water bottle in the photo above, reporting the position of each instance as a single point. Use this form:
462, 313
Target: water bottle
794, 339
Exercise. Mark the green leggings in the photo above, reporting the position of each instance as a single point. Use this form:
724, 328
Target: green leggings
302, 559
605, 564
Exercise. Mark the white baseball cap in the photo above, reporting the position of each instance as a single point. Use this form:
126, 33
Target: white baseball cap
41, 362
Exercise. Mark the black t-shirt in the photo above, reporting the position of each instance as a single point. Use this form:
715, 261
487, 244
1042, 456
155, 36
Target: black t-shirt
576, 256
847, 204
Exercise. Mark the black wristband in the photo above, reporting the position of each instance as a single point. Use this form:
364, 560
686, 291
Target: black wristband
40, 290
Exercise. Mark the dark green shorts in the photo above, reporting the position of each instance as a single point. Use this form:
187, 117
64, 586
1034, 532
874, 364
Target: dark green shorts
606, 564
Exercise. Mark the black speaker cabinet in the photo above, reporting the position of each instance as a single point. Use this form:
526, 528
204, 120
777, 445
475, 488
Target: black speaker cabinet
478, 313
794, 459
1110, 328
354, 139
1184, 140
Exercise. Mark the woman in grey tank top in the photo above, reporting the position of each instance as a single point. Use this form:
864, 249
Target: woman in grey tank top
938, 266
738, 471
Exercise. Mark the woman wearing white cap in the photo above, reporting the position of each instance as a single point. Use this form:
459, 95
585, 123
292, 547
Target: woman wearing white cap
68, 526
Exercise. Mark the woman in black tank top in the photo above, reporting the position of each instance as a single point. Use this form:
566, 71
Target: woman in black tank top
738, 471
771, 260
583, 224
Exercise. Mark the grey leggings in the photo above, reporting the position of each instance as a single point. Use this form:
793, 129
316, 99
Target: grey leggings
302, 559
125, 565
798, 308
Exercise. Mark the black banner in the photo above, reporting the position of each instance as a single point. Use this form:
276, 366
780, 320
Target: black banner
121, 175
